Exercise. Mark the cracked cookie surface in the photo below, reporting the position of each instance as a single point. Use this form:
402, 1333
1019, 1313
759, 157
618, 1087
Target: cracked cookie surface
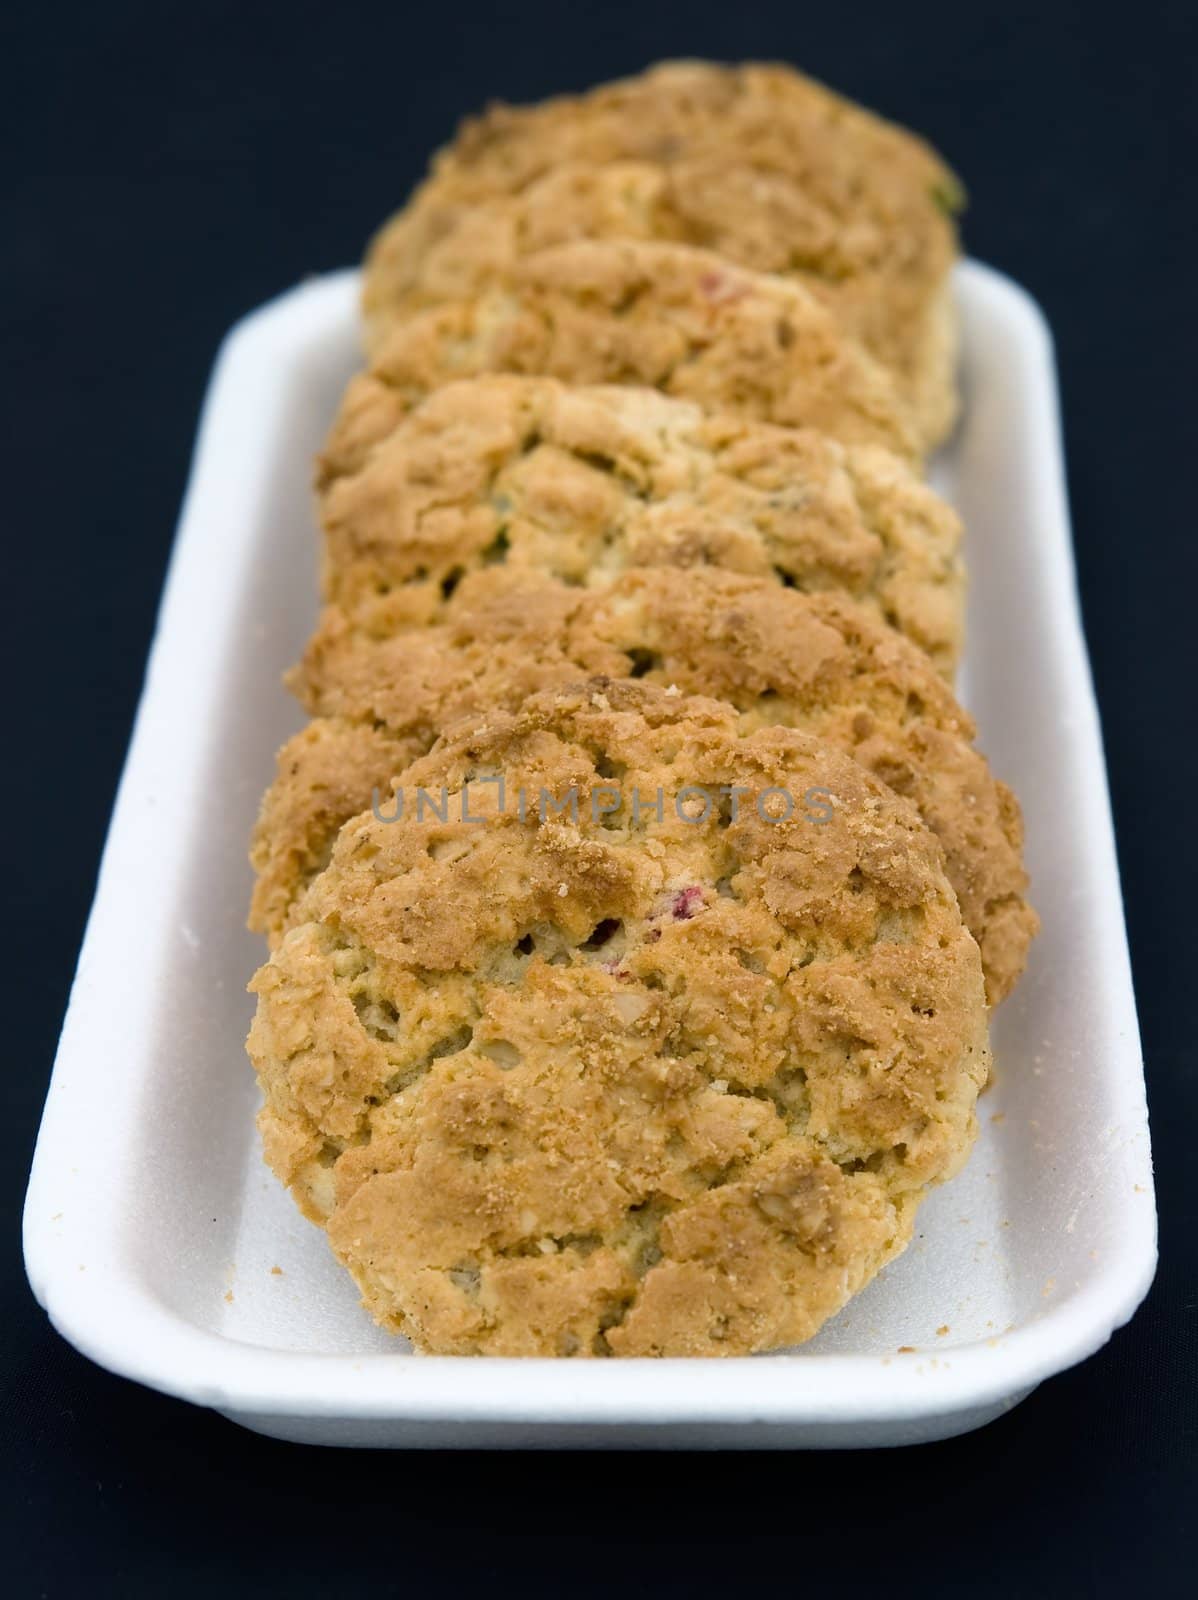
637, 1084
757, 163
816, 662
579, 483
668, 317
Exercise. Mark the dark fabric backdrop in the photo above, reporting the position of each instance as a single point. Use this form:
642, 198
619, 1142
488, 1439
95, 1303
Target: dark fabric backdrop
168, 167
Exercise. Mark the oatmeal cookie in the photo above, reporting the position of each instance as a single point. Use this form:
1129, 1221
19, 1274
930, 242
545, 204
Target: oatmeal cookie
639, 1082
324, 775
685, 321
757, 163
580, 483
815, 662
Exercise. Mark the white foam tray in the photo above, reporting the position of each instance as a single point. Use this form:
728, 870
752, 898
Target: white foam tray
152, 1228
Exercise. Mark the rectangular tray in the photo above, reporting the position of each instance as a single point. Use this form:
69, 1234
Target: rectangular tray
151, 1226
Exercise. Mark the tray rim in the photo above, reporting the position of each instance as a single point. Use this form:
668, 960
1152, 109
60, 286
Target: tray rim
114, 1318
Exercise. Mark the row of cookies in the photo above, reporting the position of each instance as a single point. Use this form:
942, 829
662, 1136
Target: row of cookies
613, 511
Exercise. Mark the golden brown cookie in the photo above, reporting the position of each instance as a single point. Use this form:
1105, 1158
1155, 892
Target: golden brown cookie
324, 775
666, 317
649, 1082
815, 662
581, 483
757, 163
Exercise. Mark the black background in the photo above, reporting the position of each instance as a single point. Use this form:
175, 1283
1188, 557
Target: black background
168, 167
